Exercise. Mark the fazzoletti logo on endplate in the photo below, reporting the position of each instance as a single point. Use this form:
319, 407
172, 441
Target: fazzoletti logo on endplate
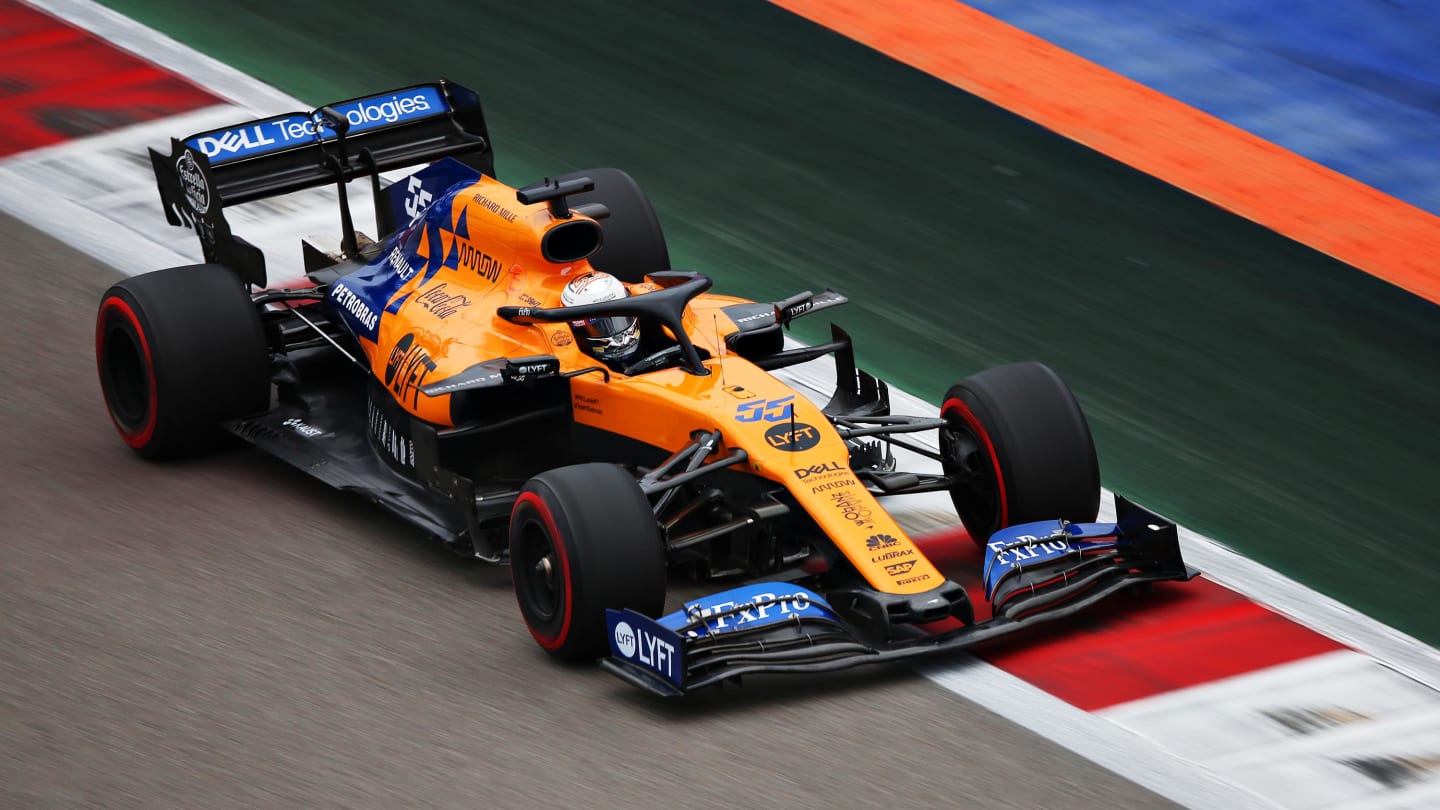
192, 183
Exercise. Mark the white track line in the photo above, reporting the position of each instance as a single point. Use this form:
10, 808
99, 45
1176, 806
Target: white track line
1104, 742
180, 59
1385, 644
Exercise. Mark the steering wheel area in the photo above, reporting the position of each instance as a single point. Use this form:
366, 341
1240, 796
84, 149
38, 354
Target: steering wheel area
665, 306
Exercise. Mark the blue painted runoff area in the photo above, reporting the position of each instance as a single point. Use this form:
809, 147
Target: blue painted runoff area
1351, 84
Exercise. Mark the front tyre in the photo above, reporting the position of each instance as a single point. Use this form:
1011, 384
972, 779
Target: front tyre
1018, 449
179, 351
583, 539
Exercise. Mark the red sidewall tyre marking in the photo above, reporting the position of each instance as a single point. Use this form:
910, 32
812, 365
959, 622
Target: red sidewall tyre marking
959, 408
136, 438
556, 542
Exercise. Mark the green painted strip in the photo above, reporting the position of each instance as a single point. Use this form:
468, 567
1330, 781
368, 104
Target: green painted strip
1255, 390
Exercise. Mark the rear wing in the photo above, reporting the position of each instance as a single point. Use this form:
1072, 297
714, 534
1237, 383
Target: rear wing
290, 152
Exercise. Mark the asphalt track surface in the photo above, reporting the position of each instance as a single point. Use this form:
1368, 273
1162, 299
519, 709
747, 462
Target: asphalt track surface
228, 633
1254, 390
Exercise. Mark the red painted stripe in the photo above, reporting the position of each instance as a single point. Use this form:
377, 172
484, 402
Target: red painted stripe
1135, 646
59, 83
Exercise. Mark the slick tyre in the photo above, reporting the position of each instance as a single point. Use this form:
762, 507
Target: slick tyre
179, 351
583, 539
634, 244
1018, 449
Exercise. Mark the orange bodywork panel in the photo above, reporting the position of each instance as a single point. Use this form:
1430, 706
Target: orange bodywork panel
439, 324
788, 440
498, 263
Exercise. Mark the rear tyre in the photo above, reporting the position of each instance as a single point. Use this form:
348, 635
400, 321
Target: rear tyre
1019, 450
583, 539
179, 351
634, 243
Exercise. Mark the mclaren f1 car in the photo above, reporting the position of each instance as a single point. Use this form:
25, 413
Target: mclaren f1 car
443, 372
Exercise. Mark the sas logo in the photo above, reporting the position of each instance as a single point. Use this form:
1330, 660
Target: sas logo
771, 410
818, 469
900, 569
792, 436
878, 541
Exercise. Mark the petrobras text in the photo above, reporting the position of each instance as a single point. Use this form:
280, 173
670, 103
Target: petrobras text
346, 299
296, 129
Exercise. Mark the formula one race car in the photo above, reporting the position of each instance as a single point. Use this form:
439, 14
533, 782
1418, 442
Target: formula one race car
520, 373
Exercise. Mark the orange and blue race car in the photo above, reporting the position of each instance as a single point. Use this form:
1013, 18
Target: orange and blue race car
520, 373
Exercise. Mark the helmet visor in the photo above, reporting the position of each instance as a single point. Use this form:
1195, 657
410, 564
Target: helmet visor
602, 329
612, 336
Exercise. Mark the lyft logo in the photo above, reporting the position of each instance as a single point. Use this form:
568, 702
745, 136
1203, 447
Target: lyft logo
645, 648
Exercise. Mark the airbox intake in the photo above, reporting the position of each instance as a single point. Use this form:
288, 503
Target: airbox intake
571, 241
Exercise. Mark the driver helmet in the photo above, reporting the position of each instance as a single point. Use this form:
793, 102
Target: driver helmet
608, 337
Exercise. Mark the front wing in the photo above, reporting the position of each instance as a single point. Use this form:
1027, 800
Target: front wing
1033, 573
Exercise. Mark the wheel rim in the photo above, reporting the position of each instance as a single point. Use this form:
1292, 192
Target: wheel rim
537, 571
975, 480
126, 378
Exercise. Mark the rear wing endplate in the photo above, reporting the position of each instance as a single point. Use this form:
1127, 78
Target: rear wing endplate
285, 153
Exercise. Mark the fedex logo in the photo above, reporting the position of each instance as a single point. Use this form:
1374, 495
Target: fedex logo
763, 607
1027, 548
